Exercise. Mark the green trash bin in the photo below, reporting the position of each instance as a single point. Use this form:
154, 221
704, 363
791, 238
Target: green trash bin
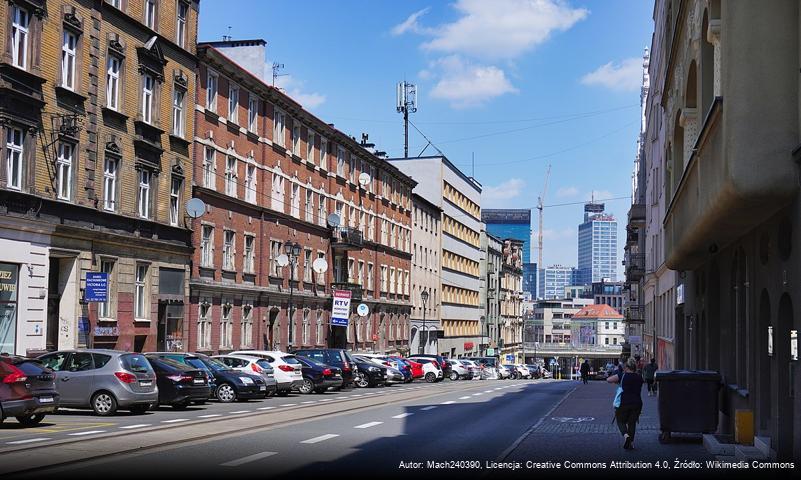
687, 401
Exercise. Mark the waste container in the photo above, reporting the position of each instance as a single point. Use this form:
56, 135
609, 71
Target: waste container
688, 401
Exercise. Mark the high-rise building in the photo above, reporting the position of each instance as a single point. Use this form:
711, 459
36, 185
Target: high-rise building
553, 280
597, 246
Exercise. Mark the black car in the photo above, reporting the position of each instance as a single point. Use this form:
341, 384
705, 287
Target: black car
179, 384
27, 390
441, 361
369, 374
335, 357
318, 377
230, 385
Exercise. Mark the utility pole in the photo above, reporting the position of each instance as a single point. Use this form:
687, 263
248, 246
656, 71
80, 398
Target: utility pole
406, 94
540, 207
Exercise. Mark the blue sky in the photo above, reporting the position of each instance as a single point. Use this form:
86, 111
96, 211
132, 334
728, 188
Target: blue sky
518, 84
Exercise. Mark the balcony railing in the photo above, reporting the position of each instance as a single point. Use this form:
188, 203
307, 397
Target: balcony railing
635, 266
347, 238
637, 214
355, 289
635, 314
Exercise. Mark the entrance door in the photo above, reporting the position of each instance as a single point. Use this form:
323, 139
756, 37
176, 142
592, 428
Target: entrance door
171, 325
53, 301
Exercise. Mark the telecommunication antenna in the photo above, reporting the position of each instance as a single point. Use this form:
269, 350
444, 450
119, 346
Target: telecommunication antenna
541, 199
276, 71
406, 104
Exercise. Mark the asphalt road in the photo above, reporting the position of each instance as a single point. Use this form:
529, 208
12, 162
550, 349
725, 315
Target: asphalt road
359, 431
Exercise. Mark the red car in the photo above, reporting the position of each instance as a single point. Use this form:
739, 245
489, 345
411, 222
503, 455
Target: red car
417, 368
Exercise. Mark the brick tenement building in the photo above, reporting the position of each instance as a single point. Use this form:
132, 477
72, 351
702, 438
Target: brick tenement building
96, 169
271, 173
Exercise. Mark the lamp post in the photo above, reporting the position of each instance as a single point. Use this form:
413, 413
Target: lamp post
292, 251
424, 298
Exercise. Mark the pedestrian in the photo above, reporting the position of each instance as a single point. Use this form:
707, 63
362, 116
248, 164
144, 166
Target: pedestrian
649, 374
628, 402
585, 371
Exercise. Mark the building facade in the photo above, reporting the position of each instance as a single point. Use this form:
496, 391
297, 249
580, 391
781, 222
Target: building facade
597, 246
459, 196
426, 275
553, 280
511, 299
491, 271
271, 175
514, 223
733, 203
94, 101
608, 293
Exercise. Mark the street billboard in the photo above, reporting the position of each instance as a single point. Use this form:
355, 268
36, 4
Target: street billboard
340, 308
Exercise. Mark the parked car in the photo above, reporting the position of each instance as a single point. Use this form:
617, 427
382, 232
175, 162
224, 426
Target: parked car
441, 361
254, 366
178, 383
522, 371
318, 377
286, 368
503, 372
416, 367
335, 357
103, 380
546, 374
27, 390
431, 370
473, 368
230, 385
459, 370
393, 375
368, 374
405, 368
535, 370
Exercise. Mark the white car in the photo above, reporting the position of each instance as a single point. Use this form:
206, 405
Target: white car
253, 366
459, 370
522, 371
286, 368
475, 370
432, 372
503, 372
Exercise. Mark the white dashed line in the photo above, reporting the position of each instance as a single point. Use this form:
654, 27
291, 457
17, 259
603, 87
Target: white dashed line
497, 389
425, 409
477, 394
326, 399
340, 398
90, 432
368, 425
239, 411
288, 405
248, 459
175, 420
128, 427
403, 415
265, 408
210, 416
466, 397
487, 391
321, 438
30, 440
356, 395
306, 403
449, 402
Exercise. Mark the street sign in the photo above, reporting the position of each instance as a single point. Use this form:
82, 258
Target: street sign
96, 287
490, 352
340, 308
510, 358
553, 362
363, 310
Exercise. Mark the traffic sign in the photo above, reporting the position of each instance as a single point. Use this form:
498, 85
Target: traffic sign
510, 358
96, 287
490, 352
340, 309
363, 310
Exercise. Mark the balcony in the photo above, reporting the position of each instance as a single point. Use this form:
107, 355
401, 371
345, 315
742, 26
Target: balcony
637, 214
635, 266
347, 238
355, 289
635, 314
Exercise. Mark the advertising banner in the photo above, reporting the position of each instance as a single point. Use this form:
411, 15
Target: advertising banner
340, 309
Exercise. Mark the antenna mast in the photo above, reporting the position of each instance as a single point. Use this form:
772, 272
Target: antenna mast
406, 103
276, 69
541, 199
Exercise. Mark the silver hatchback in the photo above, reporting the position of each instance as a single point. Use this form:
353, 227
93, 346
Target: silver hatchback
103, 380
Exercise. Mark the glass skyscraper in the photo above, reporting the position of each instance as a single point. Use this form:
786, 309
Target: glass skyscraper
514, 223
597, 246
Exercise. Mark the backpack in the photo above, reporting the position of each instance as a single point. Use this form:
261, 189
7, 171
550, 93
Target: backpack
618, 393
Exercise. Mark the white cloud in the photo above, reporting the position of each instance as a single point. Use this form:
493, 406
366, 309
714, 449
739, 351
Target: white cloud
294, 88
498, 195
502, 29
465, 84
622, 76
566, 192
410, 24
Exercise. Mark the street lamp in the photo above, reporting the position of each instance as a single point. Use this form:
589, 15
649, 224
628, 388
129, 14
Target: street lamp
424, 298
292, 252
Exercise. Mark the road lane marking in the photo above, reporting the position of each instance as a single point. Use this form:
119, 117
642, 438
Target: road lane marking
497, 389
239, 411
248, 459
355, 395
449, 402
288, 405
139, 425
90, 432
477, 394
265, 408
30, 440
175, 420
466, 397
487, 391
210, 416
306, 403
340, 398
403, 415
425, 409
321, 438
368, 425
326, 399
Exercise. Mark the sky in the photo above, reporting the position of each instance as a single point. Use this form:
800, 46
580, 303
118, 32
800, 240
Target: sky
505, 89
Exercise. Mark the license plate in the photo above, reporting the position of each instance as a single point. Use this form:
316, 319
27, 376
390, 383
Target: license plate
262, 389
198, 381
45, 399
145, 384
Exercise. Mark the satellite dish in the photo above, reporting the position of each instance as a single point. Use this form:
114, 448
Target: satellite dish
195, 207
320, 266
282, 260
333, 220
364, 179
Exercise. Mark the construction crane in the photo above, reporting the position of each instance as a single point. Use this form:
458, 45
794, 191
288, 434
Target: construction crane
540, 201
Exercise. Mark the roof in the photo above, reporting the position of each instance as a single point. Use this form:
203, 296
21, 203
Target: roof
598, 311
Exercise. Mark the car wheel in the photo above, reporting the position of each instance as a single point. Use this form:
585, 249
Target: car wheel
226, 393
104, 404
31, 420
307, 387
361, 381
139, 409
454, 376
431, 377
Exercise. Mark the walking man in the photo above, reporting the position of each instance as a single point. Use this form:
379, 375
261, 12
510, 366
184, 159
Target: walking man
628, 402
649, 373
585, 371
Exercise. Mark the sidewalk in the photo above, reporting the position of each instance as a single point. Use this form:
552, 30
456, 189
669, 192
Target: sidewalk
581, 429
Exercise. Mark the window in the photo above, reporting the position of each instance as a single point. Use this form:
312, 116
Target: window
323, 153
341, 161
391, 280
113, 82
250, 254
351, 167
307, 266
64, 171
319, 333
233, 102
278, 127
351, 271
321, 213
228, 250
68, 52
253, 113
104, 309
140, 293
207, 246
211, 90
208, 167
309, 205
150, 14
115, 3
275, 252
296, 138
226, 325
180, 29
295, 200
19, 36
369, 277
230, 176
178, 96
148, 86
277, 199
305, 337
384, 278
250, 183
175, 201
310, 147
204, 326
144, 193
110, 184
360, 276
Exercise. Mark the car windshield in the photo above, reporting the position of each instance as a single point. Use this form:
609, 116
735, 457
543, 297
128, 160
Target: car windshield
32, 367
136, 363
172, 363
215, 365
197, 363
290, 359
